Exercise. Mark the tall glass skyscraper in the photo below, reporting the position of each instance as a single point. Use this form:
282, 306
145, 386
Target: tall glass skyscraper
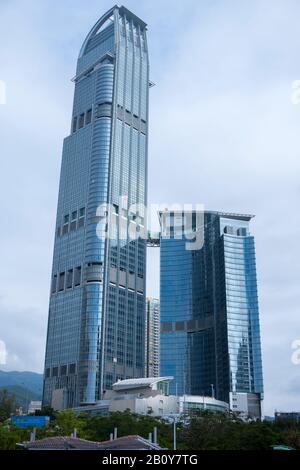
210, 334
97, 303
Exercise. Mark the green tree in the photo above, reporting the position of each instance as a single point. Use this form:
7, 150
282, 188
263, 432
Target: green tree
257, 435
10, 436
99, 428
7, 404
210, 431
66, 421
225, 431
46, 411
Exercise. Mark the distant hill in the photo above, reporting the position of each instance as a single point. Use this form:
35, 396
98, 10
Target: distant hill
30, 381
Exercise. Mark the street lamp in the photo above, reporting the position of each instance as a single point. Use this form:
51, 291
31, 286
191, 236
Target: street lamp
174, 434
175, 431
115, 360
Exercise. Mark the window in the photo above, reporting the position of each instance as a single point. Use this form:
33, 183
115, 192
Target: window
66, 224
73, 221
55, 372
88, 117
242, 232
77, 276
70, 279
65, 229
47, 373
72, 368
81, 121
61, 283
54, 283
81, 222
74, 126
81, 217
229, 229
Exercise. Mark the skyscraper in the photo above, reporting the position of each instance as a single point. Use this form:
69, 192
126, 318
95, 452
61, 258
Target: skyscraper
152, 338
97, 303
210, 335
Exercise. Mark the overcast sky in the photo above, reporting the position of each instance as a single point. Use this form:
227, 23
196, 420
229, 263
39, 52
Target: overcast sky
223, 132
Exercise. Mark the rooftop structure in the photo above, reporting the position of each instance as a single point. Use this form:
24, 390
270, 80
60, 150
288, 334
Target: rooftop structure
71, 443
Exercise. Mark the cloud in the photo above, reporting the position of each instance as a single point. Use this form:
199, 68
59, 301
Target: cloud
223, 132
24, 331
3, 353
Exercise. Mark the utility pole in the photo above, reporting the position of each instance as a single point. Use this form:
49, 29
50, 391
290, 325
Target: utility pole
174, 435
115, 360
155, 435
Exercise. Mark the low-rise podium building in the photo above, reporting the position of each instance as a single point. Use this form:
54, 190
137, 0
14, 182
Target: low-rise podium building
150, 396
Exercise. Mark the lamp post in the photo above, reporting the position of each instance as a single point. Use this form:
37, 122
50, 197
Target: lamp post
174, 434
175, 416
115, 360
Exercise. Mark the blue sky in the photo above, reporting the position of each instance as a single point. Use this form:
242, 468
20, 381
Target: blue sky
224, 132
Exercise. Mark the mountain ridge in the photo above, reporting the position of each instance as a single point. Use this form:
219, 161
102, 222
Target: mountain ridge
31, 381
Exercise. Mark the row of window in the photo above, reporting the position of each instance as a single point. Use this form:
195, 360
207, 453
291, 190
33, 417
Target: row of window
60, 371
105, 110
241, 231
131, 119
82, 120
71, 222
241, 243
66, 280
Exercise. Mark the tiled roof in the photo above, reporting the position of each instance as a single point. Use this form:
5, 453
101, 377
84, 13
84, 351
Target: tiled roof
129, 443
61, 443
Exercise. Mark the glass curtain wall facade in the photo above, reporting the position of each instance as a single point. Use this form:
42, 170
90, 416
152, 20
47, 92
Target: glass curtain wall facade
152, 337
210, 335
97, 302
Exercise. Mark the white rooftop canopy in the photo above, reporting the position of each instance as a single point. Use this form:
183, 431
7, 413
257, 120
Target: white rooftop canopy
139, 383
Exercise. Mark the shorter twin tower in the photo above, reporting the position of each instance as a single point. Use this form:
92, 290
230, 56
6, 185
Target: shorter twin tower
210, 334
210, 340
